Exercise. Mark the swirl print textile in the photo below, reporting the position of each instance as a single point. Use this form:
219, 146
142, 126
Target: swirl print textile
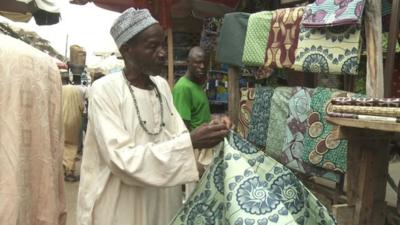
243, 186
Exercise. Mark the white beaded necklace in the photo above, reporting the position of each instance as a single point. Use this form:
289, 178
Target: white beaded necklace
141, 121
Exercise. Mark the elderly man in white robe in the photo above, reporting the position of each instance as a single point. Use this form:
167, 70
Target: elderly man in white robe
138, 151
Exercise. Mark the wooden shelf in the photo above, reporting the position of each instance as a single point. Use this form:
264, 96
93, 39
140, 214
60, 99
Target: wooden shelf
372, 125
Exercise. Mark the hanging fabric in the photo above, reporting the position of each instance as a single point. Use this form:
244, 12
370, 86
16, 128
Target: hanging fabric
327, 13
256, 38
244, 186
331, 50
295, 131
232, 38
260, 116
246, 107
283, 37
279, 112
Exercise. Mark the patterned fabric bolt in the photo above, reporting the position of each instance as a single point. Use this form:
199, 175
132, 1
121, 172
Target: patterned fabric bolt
332, 50
244, 187
283, 37
367, 110
246, 106
296, 128
277, 121
260, 116
324, 13
320, 147
381, 102
256, 38
232, 38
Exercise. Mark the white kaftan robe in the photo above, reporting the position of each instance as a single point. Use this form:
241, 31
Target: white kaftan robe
129, 177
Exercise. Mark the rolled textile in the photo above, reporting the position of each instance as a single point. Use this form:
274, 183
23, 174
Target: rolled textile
381, 102
232, 38
283, 37
256, 38
367, 110
331, 50
328, 13
364, 117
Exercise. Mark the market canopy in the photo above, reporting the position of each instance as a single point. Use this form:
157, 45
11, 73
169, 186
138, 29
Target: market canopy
164, 10
45, 12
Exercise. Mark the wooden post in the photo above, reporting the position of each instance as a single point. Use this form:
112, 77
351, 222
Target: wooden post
373, 32
170, 58
234, 95
391, 51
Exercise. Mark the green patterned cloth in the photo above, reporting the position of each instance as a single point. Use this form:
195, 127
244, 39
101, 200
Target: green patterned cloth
256, 38
320, 147
243, 186
260, 116
231, 38
296, 128
277, 121
331, 50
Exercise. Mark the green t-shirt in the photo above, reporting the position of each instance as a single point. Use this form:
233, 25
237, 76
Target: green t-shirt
191, 102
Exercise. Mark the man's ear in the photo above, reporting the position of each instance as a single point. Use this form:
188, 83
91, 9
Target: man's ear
123, 49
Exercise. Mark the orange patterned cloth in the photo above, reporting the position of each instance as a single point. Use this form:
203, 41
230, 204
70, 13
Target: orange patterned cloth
283, 37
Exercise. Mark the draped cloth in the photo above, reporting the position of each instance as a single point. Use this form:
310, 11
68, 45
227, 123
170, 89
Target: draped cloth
329, 50
126, 169
31, 175
72, 116
321, 146
256, 38
283, 37
244, 186
260, 116
232, 38
246, 107
328, 13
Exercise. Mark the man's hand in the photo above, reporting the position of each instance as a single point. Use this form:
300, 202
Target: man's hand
222, 119
208, 135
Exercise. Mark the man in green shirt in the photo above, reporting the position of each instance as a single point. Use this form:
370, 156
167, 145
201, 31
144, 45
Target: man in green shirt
189, 97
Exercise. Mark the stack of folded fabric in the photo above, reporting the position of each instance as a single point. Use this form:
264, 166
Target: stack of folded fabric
369, 109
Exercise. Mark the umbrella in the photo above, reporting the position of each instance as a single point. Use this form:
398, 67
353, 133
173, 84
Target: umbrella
163, 10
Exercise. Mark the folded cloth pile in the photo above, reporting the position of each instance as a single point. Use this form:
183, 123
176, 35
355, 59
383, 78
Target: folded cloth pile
369, 109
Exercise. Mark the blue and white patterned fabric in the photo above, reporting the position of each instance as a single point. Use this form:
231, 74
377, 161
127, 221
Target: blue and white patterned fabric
243, 186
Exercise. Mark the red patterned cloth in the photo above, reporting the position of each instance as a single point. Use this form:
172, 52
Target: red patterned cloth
283, 37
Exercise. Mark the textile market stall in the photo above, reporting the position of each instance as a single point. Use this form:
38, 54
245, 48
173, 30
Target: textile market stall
310, 58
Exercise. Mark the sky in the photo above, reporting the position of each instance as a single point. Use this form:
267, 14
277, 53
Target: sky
87, 26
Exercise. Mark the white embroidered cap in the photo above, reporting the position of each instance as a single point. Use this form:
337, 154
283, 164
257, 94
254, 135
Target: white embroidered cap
129, 23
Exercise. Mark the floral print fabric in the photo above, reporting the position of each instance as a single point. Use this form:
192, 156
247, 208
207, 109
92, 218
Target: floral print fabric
260, 116
331, 50
324, 13
244, 187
